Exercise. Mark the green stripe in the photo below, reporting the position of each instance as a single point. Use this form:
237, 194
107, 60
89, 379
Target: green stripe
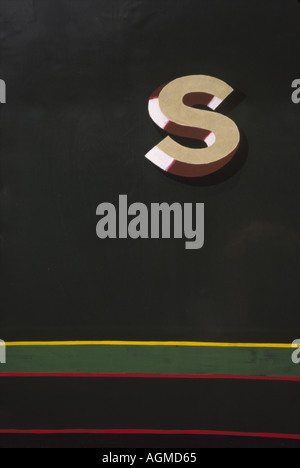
151, 359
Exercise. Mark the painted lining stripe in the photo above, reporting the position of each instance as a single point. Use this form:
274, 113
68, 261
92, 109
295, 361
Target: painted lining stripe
151, 431
151, 343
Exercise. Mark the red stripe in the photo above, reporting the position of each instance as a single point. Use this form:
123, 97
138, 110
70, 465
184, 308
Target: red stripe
152, 376
149, 432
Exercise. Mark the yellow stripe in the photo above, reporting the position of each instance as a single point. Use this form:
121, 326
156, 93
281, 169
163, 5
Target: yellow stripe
150, 343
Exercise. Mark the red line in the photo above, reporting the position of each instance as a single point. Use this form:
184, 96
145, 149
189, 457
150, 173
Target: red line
149, 432
151, 376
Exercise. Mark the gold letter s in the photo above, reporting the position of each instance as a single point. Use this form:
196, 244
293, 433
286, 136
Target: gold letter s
170, 107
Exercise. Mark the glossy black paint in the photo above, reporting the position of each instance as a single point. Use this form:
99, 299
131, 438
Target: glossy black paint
74, 133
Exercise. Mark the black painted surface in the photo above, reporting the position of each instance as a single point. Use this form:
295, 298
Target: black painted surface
81, 403
134, 442
74, 133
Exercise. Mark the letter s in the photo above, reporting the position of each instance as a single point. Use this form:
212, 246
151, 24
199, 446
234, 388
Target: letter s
170, 107
296, 94
295, 355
